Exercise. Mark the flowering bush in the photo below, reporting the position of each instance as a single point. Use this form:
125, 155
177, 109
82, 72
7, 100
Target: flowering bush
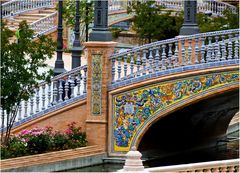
41, 140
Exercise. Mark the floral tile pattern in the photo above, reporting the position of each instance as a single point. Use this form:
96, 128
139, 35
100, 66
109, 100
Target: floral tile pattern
132, 109
96, 84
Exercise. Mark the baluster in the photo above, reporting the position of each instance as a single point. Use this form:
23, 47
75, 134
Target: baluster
37, 99
138, 62
131, 65
202, 50
60, 90
230, 56
189, 52
176, 55
78, 83
170, 53
236, 48
144, 60
31, 105
25, 108
217, 48
224, 169
119, 68
113, 69
43, 97
20, 112
223, 48
150, 58
157, 59
196, 51
66, 90
49, 95
164, 57
85, 80
125, 66
72, 85
55, 92
231, 169
215, 170
183, 53
209, 50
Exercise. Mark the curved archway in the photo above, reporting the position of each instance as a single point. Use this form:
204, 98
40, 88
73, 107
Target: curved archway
199, 125
135, 110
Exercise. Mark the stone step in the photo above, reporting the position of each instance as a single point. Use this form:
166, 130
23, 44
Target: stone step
33, 15
30, 18
48, 11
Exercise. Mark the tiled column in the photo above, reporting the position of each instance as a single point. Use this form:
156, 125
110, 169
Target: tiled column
99, 76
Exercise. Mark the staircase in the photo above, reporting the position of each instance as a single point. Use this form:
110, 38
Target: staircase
30, 17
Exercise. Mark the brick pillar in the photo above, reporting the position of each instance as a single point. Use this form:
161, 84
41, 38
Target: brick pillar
99, 76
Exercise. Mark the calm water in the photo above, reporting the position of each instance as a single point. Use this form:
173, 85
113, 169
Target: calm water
107, 167
228, 151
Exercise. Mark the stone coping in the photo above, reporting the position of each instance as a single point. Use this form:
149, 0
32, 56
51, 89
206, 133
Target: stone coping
51, 157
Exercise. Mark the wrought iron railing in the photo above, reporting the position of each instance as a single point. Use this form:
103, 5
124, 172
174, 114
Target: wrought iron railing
59, 92
14, 7
173, 53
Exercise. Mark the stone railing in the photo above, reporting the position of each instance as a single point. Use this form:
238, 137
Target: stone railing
133, 163
213, 166
63, 89
14, 7
206, 6
171, 55
44, 25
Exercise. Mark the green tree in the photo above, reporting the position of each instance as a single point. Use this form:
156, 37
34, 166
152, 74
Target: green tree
229, 20
152, 23
69, 13
20, 64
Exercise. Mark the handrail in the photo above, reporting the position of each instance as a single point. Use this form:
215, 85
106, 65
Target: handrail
213, 6
212, 166
44, 25
14, 7
172, 53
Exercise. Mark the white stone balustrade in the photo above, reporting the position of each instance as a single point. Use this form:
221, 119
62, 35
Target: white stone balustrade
14, 7
44, 25
170, 54
214, 6
213, 166
62, 88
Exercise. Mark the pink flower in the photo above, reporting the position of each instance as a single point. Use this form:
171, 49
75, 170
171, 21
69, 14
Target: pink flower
25, 132
69, 132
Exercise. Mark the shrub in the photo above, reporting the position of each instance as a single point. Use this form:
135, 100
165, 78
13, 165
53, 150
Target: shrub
41, 140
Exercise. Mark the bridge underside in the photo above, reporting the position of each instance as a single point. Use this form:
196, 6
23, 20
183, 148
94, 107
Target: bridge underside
195, 126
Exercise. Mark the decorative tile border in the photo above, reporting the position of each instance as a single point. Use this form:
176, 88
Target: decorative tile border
133, 109
96, 91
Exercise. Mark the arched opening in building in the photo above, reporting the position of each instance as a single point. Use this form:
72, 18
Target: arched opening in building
195, 133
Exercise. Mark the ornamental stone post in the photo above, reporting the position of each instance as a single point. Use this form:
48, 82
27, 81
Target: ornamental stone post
189, 26
99, 77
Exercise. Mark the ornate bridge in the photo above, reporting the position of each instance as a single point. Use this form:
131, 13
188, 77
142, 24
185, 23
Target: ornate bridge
123, 95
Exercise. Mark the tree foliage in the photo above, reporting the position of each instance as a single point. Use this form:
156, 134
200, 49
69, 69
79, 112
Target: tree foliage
229, 20
152, 23
20, 64
69, 13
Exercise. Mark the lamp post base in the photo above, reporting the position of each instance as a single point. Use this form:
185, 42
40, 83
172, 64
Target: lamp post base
100, 35
189, 29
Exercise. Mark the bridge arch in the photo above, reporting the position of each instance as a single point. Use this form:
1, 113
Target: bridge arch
128, 124
207, 128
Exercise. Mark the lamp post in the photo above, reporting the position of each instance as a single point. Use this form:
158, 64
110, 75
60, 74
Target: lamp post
87, 20
189, 26
100, 30
76, 49
59, 64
